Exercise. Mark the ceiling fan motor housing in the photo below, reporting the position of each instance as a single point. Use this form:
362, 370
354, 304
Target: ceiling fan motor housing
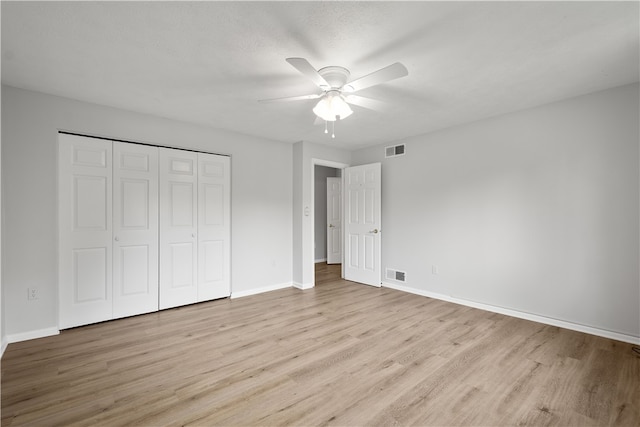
334, 75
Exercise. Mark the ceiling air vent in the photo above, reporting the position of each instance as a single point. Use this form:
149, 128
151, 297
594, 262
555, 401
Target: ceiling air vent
393, 151
396, 275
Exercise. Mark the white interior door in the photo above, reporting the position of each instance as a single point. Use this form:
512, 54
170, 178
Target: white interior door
362, 224
85, 227
178, 227
334, 220
213, 227
135, 229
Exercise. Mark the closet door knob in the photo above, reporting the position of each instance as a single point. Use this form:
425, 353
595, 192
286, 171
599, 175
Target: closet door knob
117, 239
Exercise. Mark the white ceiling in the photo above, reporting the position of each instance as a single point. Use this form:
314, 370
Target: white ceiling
209, 62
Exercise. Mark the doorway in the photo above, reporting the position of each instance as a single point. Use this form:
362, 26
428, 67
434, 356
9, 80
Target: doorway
364, 187
321, 170
326, 266
321, 173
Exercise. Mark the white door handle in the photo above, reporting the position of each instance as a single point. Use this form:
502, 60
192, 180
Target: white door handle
375, 231
117, 239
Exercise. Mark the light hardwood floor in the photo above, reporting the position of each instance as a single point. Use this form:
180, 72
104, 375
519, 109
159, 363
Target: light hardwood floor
338, 354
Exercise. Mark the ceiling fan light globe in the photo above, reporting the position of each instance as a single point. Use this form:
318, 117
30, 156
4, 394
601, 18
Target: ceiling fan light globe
339, 107
323, 110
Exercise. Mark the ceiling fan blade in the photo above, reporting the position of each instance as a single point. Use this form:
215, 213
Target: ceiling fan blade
391, 72
361, 101
290, 98
307, 69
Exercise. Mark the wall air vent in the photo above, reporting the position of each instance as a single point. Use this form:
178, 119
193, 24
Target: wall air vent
399, 276
394, 151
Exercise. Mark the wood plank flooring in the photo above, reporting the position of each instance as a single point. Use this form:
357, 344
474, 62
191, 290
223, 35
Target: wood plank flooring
338, 354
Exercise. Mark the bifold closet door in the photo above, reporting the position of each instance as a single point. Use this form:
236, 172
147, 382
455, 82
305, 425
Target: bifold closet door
135, 229
213, 227
141, 228
85, 230
178, 227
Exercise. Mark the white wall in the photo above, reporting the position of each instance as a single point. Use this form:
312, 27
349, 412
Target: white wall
535, 211
261, 198
3, 333
305, 155
321, 173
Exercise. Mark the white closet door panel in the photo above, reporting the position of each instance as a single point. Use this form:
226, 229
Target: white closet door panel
85, 229
213, 227
135, 277
182, 204
178, 227
135, 229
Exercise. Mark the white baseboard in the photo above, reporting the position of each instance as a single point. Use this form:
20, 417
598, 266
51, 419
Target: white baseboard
32, 335
256, 291
302, 286
321, 260
3, 346
520, 314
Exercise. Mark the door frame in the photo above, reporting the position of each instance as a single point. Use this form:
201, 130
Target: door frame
311, 259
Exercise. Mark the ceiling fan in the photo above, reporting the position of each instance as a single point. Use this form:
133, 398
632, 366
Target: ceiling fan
336, 92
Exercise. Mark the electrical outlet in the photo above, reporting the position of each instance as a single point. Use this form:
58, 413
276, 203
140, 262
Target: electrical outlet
434, 269
32, 294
